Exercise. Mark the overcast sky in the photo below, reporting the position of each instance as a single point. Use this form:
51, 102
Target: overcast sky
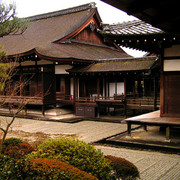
108, 13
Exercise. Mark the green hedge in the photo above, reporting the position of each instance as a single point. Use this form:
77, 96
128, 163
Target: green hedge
76, 153
39, 169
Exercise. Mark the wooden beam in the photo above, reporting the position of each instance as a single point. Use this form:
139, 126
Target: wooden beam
98, 88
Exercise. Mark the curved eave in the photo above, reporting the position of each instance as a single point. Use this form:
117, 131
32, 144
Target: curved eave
35, 54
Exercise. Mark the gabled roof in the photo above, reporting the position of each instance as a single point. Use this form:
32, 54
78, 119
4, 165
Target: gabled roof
119, 65
49, 36
47, 28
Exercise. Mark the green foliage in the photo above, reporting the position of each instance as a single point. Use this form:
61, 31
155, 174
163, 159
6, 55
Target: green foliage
9, 24
15, 170
123, 169
76, 153
39, 169
4, 75
12, 141
2, 53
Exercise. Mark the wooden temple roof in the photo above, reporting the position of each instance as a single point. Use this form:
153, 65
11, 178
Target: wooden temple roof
136, 27
50, 36
120, 65
137, 34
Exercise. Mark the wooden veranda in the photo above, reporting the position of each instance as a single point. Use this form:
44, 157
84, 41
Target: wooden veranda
121, 102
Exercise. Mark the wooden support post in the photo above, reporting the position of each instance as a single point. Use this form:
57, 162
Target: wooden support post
43, 110
145, 127
167, 133
43, 90
98, 88
125, 103
74, 90
155, 93
134, 90
129, 128
98, 112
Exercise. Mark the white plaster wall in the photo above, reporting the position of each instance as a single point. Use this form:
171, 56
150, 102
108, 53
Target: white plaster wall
172, 65
61, 69
120, 88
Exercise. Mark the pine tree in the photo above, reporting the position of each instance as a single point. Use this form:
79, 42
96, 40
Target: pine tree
9, 23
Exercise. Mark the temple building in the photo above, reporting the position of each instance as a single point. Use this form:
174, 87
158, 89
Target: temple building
69, 57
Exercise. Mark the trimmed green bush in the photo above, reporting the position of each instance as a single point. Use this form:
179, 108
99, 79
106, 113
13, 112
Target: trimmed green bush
123, 169
76, 153
39, 169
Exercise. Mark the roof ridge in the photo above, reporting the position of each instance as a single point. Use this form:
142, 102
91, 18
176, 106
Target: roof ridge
128, 59
84, 7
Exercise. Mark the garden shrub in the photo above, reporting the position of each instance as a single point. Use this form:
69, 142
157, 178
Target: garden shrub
76, 153
16, 148
53, 169
12, 141
123, 169
12, 169
39, 169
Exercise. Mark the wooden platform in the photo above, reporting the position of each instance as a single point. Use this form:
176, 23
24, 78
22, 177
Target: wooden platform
153, 119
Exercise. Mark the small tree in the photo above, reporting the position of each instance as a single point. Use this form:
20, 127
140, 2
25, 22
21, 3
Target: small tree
7, 92
9, 25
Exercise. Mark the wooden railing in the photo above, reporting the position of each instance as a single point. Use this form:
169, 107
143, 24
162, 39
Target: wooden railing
142, 101
21, 100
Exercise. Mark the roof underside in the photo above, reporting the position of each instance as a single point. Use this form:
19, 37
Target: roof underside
138, 35
163, 14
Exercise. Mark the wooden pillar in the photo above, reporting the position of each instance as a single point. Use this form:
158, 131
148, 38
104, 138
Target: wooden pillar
125, 103
37, 76
98, 88
116, 87
155, 93
74, 89
21, 86
20, 79
134, 89
43, 93
167, 133
162, 98
129, 128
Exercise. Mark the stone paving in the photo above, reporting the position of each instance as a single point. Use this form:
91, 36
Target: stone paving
152, 165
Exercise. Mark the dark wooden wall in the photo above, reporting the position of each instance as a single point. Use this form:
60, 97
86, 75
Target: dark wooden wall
171, 94
88, 35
